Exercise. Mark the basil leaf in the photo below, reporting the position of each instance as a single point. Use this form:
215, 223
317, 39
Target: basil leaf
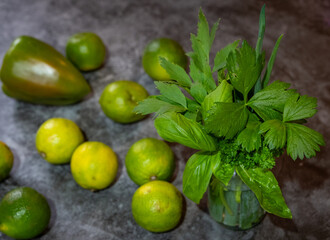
222, 171
263, 183
174, 127
197, 175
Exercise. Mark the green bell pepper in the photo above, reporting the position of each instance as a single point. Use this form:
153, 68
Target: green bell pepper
35, 72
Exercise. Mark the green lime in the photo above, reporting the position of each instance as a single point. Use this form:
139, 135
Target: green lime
86, 51
157, 206
57, 138
94, 165
6, 161
120, 98
166, 48
24, 213
154, 159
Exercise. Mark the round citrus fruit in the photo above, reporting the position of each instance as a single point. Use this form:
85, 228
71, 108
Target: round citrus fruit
166, 48
120, 98
57, 138
157, 206
94, 165
86, 51
153, 158
6, 161
24, 213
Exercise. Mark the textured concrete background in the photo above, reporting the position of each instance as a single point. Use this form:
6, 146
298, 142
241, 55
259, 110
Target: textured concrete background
126, 27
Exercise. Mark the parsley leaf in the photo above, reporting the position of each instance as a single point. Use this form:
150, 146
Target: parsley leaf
197, 175
222, 171
275, 135
176, 72
244, 68
250, 138
302, 141
154, 105
174, 127
172, 92
221, 56
299, 107
226, 119
198, 92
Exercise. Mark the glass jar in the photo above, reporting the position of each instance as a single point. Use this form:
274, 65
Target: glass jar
235, 205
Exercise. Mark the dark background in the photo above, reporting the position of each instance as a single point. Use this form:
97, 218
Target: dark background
126, 27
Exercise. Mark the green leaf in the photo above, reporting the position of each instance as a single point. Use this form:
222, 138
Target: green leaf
154, 105
244, 68
198, 92
172, 92
275, 135
223, 93
302, 141
176, 72
221, 56
269, 102
213, 31
250, 138
222, 171
197, 175
299, 107
174, 127
226, 119
271, 63
263, 183
262, 24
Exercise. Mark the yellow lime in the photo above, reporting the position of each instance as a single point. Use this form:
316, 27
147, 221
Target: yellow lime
120, 98
153, 158
6, 161
94, 165
166, 48
24, 213
157, 206
57, 138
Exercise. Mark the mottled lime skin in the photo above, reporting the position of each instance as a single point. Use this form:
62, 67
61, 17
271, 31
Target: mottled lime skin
157, 206
162, 47
153, 158
24, 213
86, 51
57, 138
120, 98
94, 165
35, 72
6, 161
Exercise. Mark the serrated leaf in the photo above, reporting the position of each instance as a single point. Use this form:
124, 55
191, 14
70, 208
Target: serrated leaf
222, 171
205, 79
172, 92
176, 72
223, 93
269, 102
271, 63
226, 119
203, 32
198, 92
221, 56
264, 185
174, 127
299, 107
197, 175
154, 105
249, 138
275, 136
302, 141
244, 68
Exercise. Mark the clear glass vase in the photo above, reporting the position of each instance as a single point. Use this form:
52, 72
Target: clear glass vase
235, 205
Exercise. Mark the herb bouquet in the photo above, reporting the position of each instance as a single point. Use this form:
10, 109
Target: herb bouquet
239, 125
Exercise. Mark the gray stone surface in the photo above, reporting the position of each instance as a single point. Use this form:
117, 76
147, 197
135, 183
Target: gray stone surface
126, 27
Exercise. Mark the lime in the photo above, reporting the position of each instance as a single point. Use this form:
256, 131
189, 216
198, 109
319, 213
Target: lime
157, 206
94, 165
166, 48
120, 98
24, 213
154, 159
57, 138
86, 51
6, 161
